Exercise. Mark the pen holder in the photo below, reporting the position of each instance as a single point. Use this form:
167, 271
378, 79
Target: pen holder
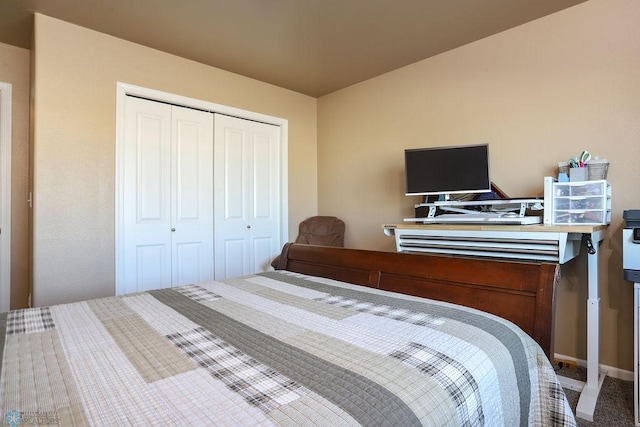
578, 174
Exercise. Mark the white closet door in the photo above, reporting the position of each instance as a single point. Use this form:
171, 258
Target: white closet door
147, 196
168, 200
247, 196
192, 196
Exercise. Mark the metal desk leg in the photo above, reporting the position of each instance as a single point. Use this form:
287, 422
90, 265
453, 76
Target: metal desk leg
589, 396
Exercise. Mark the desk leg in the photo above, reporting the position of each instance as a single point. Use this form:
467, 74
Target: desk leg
591, 390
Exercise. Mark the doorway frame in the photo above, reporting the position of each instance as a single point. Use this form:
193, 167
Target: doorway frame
125, 89
5, 196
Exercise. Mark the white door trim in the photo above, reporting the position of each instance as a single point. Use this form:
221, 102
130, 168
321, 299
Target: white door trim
124, 89
5, 196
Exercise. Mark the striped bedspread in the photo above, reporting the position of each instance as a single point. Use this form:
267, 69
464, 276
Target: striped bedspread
275, 348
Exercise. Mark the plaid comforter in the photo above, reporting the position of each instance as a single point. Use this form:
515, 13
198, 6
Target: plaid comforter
275, 348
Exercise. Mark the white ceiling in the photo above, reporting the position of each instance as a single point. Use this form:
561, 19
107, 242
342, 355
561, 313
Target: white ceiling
310, 46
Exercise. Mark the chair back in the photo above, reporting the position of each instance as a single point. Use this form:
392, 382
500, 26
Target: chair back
321, 230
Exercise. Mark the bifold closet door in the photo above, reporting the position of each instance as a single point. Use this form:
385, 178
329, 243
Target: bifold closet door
247, 196
168, 195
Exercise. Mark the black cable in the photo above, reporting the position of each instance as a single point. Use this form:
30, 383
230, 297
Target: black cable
586, 240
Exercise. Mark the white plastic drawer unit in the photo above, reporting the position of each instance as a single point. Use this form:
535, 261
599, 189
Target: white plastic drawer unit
584, 202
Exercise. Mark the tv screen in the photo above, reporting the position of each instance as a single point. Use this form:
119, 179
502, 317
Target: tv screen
447, 170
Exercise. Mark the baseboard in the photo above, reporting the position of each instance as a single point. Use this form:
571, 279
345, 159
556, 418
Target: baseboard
611, 371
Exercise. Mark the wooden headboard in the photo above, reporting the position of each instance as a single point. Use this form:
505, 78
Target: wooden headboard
522, 292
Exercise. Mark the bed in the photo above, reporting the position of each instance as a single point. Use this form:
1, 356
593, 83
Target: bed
333, 337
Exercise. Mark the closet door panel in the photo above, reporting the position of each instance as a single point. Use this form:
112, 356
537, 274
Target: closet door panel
262, 253
147, 273
147, 196
192, 196
235, 262
231, 184
187, 182
262, 179
151, 174
188, 271
265, 196
247, 196
234, 183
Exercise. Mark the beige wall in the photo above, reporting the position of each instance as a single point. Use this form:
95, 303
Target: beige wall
538, 94
76, 71
14, 69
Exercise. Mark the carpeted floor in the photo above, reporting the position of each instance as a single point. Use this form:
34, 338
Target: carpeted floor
615, 403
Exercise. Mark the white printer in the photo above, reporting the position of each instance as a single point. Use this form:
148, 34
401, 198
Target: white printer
631, 246
631, 266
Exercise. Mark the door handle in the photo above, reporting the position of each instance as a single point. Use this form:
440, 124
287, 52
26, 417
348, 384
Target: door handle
249, 226
173, 229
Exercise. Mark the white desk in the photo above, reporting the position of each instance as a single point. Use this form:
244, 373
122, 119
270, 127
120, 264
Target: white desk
529, 242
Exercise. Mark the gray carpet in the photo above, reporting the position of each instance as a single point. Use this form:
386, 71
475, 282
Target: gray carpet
615, 403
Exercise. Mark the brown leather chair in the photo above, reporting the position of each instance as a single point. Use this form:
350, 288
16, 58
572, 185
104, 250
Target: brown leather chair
319, 230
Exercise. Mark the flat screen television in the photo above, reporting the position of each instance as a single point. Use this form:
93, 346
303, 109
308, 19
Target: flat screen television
447, 170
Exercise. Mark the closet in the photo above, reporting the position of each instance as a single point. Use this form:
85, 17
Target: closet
200, 196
